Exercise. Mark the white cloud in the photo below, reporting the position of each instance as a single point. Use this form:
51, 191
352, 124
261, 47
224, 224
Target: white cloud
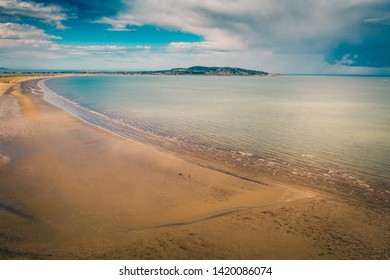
116, 25
143, 47
385, 20
78, 53
21, 41
107, 50
198, 47
13, 35
347, 59
50, 14
55, 47
102, 48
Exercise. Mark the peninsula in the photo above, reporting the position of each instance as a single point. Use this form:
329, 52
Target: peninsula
207, 71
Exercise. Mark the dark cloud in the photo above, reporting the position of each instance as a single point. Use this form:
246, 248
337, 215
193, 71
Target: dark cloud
348, 32
371, 51
367, 42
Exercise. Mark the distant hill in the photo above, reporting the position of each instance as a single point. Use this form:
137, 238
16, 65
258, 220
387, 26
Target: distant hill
194, 70
207, 71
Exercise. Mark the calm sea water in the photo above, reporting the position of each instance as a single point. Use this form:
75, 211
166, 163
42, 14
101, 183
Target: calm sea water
334, 125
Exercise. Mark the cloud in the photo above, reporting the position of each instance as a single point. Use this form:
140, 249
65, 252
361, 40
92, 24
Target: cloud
371, 48
191, 47
23, 43
111, 50
385, 20
23, 40
116, 25
18, 9
280, 35
144, 48
13, 35
280, 26
101, 48
372, 51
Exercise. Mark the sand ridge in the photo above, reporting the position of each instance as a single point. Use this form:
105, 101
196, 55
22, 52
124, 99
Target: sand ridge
69, 190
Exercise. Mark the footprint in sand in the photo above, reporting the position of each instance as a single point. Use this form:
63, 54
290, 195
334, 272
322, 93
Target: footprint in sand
4, 160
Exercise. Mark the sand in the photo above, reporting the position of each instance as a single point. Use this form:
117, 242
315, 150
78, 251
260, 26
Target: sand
69, 190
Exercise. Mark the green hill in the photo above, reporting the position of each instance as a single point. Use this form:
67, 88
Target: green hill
208, 71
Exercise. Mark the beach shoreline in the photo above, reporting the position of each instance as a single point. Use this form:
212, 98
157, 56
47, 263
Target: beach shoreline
325, 169
69, 190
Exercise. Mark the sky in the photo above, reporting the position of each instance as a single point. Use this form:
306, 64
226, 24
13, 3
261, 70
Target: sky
280, 36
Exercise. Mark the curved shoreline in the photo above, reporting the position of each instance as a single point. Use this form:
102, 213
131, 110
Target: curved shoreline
46, 90
86, 187
262, 169
49, 125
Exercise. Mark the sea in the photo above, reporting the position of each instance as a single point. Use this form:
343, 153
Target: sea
328, 131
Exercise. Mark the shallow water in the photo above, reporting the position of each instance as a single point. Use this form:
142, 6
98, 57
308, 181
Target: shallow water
330, 126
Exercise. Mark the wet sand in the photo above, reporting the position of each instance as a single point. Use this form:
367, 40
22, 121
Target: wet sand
69, 190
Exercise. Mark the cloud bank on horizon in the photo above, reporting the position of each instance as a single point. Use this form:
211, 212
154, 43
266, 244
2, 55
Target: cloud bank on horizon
302, 36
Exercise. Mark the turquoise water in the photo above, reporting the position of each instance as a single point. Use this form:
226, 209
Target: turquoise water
334, 125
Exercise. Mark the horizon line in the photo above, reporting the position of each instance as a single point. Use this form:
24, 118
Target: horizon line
93, 71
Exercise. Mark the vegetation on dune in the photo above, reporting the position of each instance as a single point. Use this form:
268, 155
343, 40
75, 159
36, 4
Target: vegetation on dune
12, 79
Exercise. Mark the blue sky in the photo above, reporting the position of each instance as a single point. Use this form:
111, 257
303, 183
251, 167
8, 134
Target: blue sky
301, 36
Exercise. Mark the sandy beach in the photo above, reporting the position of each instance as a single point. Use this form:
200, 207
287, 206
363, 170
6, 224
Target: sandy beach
69, 190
